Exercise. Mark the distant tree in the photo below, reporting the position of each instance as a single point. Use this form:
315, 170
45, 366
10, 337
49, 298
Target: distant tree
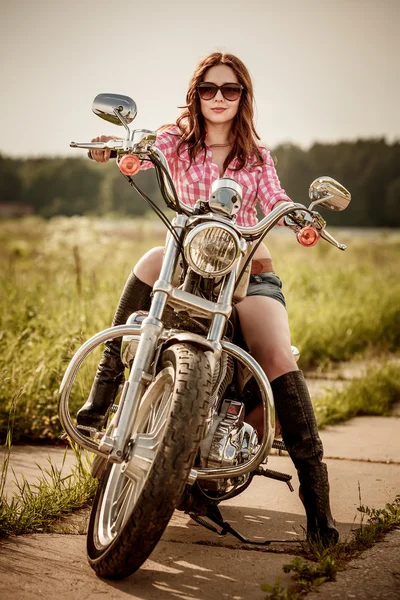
369, 168
391, 208
11, 185
64, 186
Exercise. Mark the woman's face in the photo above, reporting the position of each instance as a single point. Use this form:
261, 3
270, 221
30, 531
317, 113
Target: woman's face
218, 110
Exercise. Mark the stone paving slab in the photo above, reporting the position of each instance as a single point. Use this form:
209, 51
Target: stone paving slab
375, 575
365, 438
28, 460
268, 510
193, 563
374, 439
55, 566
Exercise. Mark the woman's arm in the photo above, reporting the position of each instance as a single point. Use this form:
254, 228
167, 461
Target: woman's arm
270, 191
166, 142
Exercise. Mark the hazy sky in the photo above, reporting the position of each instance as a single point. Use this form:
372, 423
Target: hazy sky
322, 69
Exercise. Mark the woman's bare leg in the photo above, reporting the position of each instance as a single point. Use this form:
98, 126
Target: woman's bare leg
265, 328
149, 266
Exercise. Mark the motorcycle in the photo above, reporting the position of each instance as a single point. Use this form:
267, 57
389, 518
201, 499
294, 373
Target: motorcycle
178, 437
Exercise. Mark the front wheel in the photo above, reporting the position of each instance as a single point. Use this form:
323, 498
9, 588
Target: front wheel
129, 515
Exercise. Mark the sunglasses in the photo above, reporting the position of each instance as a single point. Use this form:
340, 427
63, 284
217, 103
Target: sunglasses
230, 91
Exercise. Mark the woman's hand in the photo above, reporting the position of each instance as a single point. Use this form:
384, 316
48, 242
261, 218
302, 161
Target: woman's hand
102, 156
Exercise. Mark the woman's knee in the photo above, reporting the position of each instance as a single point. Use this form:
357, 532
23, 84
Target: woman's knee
149, 266
275, 360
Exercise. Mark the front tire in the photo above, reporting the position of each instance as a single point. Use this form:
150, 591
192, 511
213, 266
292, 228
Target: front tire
129, 515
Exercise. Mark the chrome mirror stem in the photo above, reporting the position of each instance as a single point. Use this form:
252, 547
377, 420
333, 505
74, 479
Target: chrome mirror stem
117, 112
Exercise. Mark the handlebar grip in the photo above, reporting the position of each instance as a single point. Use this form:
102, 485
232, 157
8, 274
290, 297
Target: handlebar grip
113, 154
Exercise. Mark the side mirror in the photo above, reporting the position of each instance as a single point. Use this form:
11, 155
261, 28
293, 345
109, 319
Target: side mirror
328, 193
114, 108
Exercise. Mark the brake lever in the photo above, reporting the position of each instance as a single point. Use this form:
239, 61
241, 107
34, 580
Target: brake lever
299, 222
329, 238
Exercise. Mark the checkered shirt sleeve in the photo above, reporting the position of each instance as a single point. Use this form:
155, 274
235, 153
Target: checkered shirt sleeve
269, 187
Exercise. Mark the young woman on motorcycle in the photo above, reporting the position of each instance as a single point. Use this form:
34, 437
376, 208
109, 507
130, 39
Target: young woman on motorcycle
214, 137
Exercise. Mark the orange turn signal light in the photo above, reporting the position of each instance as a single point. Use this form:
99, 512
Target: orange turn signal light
308, 236
129, 164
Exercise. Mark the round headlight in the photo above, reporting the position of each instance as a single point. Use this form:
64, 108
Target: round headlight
212, 250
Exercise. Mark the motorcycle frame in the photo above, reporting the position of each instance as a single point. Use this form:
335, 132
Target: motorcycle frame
150, 334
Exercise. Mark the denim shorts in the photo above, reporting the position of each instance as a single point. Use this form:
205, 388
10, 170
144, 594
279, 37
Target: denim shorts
266, 284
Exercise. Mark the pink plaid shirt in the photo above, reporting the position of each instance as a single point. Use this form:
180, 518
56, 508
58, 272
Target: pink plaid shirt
259, 183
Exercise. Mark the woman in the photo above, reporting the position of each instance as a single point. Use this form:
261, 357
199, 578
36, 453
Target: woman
215, 136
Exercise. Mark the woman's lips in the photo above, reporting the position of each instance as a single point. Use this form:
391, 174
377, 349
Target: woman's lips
218, 110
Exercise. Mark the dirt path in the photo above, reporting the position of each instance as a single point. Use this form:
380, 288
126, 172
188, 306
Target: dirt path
193, 563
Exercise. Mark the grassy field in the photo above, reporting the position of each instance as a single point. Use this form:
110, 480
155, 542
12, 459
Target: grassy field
60, 281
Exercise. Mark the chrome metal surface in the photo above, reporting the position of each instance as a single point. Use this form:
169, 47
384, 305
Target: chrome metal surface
126, 481
213, 217
269, 419
296, 353
69, 378
143, 139
128, 350
130, 343
111, 145
150, 334
328, 193
104, 106
217, 251
191, 338
218, 323
192, 477
226, 196
195, 305
231, 441
329, 238
270, 220
118, 114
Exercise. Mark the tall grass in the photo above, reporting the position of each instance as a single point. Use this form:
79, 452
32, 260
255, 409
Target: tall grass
341, 304
373, 394
34, 507
60, 282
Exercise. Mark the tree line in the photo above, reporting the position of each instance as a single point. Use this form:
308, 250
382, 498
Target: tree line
369, 168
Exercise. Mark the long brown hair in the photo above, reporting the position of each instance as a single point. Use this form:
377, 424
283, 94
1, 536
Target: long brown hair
191, 121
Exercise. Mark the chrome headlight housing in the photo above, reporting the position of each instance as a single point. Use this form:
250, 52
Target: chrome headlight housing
212, 249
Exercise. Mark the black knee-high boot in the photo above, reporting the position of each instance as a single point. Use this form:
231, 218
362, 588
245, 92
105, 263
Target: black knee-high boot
110, 372
300, 434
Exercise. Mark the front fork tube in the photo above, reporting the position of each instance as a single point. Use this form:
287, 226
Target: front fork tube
216, 333
219, 321
139, 377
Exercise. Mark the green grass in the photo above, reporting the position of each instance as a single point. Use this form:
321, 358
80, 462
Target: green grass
59, 284
34, 507
60, 281
341, 304
373, 394
323, 565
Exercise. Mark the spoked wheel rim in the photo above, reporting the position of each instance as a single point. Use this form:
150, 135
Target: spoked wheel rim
126, 481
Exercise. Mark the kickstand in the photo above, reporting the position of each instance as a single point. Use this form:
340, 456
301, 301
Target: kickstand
214, 515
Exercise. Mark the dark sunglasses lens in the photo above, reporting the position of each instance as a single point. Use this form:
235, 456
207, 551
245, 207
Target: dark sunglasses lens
231, 92
207, 91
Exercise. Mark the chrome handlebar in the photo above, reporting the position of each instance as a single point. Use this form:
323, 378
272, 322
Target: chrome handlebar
268, 222
125, 145
144, 146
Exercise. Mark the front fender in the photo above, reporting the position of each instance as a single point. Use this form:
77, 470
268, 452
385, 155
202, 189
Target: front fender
190, 338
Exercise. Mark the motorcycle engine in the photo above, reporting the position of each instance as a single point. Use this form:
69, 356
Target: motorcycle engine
229, 442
